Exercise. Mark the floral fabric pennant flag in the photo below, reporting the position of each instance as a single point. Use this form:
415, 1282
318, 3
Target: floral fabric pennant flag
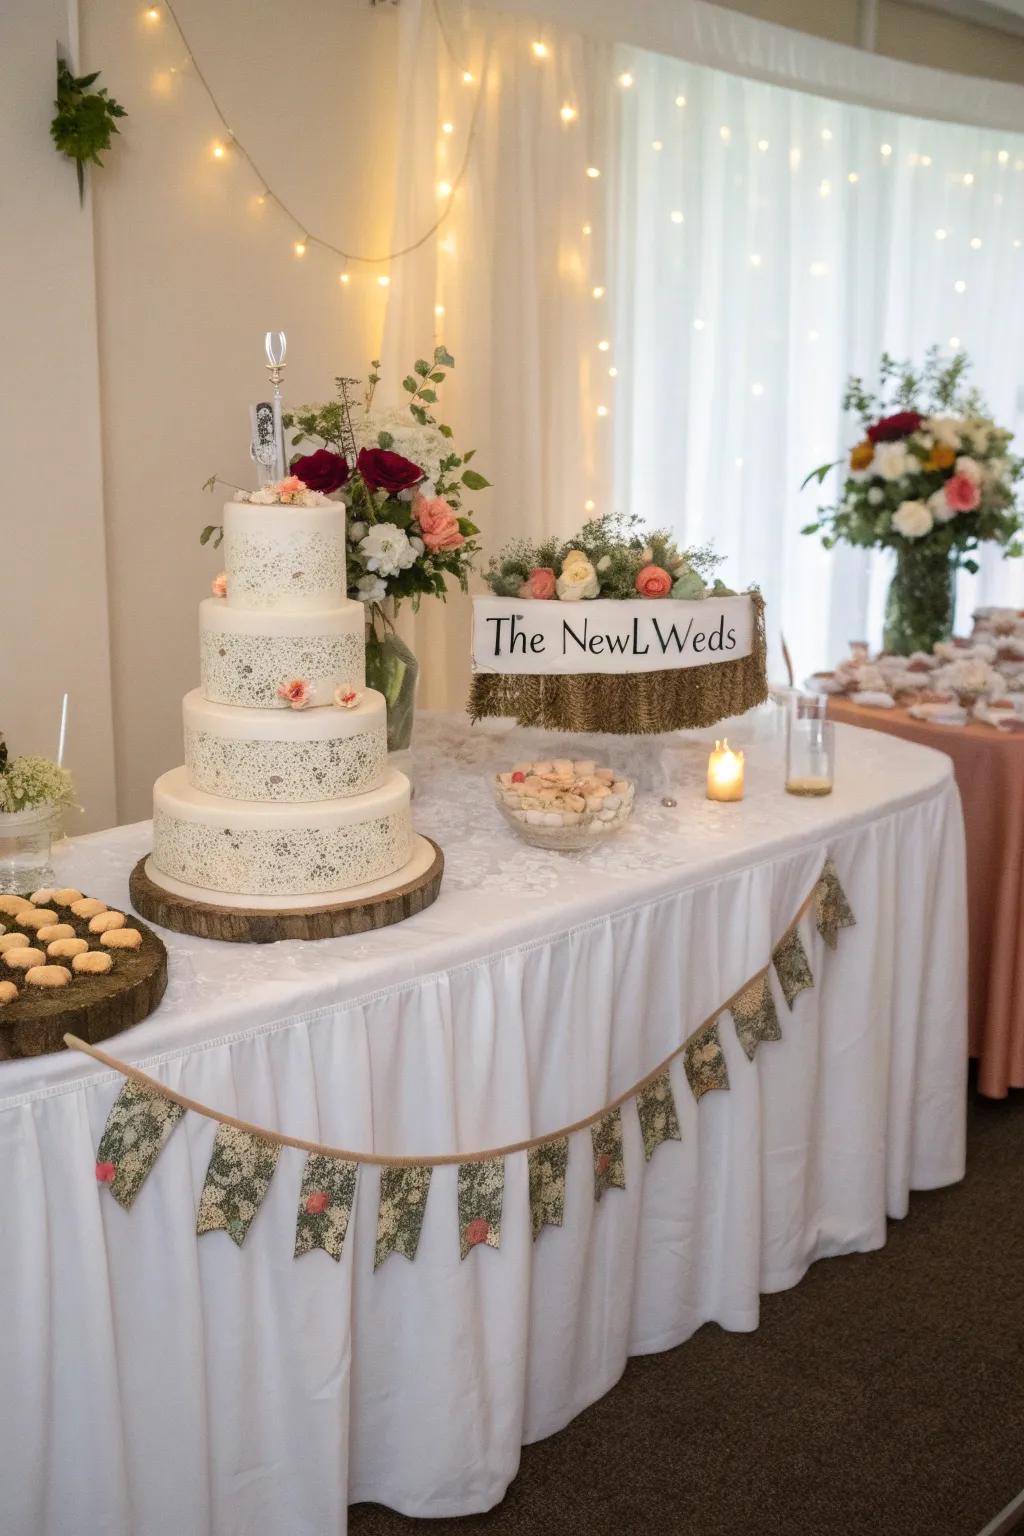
754, 1015
657, 1111
403, 1201
136, 1132
832, 910
481, 1187
606, 1142
241, 1168
704, 1062
792, 967
546, 1165
325, 1204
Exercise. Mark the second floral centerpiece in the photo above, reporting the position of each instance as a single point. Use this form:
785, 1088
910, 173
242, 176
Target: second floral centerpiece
615, 630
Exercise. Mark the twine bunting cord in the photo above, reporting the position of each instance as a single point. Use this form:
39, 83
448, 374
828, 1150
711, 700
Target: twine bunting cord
437, 1160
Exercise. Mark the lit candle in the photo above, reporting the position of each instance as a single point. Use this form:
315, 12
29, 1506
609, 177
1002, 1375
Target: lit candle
725, 773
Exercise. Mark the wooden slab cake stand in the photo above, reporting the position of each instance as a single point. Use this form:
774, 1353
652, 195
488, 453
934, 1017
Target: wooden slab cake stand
91, 1007
361, 912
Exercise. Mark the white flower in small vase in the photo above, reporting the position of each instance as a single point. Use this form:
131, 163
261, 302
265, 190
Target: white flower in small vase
386, 549
940, 508
913, 519
371, 589
892, 461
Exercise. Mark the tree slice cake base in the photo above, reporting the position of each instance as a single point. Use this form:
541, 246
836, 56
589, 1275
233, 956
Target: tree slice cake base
91, 1007
264, 920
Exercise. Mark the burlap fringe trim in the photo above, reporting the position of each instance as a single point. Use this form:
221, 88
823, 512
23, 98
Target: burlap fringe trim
632, 703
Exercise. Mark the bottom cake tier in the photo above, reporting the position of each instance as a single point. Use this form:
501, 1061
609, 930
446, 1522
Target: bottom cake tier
258, 849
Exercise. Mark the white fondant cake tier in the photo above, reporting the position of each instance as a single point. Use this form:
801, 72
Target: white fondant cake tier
284, 557
246, 654
302, 755
258, 849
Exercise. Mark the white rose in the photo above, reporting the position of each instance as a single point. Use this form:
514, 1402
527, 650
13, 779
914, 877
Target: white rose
578, 580
940, 508
371, 589
386, 549
969, 467
912, 519
945, 429
876, 496
891, 461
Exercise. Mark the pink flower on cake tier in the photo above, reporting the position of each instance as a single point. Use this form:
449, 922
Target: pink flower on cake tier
346, 697
439, 526
219, 585
296, 692
539, 584
962, 493
652, 581
317, 1202
105, 1173
477, 1231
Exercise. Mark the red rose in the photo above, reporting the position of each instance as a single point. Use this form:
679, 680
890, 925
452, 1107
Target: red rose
386, 471
321, 471
892, 427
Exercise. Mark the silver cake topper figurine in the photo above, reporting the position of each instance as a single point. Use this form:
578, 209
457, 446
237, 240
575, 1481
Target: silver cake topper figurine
266, 433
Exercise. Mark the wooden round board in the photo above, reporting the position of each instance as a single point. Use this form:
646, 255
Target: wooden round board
91, 1007
251, 925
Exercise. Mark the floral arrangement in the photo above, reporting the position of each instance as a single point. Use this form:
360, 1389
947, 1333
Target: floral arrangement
29, 781
931, 465
612, 556
85, 120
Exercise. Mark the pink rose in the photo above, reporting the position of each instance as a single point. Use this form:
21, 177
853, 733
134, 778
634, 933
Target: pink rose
652, 581
439, 526
961, 493
105, 1173
296, 692
540, 583
291, 485
219, 585
477, 1231
318, 1201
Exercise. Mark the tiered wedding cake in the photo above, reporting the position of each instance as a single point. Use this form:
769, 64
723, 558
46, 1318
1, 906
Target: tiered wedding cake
279, 806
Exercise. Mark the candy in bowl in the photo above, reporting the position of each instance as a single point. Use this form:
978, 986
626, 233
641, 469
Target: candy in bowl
564, 804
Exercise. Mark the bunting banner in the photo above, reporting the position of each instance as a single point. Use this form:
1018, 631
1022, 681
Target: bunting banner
244, 1157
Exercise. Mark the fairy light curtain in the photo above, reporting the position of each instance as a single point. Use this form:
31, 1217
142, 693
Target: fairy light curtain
656, 276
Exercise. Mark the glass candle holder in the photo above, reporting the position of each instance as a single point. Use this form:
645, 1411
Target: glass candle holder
810, 748
725, 773
25, 849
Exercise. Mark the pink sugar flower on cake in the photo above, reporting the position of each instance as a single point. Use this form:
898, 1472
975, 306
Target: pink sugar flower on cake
296, 693
219, 585
346, 697
962, 493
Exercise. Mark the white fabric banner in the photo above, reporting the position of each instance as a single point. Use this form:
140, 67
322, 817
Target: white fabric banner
526, 636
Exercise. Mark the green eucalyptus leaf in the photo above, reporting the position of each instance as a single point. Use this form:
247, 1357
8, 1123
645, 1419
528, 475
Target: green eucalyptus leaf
474, 480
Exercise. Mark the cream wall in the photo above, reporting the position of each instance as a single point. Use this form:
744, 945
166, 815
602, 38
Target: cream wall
53, 596
192, 272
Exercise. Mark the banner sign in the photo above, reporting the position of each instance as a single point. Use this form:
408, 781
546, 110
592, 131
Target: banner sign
604, 635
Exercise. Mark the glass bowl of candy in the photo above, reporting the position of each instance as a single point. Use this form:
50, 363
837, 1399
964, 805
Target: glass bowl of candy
563, 803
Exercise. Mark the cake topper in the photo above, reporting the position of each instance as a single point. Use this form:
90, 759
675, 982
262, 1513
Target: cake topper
266, 433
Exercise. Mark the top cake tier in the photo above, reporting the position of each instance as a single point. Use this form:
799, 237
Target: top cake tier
285, 557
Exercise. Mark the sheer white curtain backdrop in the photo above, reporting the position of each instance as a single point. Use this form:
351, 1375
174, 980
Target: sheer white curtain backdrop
671, 335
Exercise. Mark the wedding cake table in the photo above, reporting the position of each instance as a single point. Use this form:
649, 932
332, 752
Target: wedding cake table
160, 1382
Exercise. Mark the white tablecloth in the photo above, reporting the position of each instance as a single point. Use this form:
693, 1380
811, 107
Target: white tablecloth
153, 1384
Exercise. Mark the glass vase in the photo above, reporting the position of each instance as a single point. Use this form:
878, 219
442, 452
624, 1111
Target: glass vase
25, 849
393, 670
920, 606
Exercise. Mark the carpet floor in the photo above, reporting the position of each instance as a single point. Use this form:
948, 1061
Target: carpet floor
883, 1396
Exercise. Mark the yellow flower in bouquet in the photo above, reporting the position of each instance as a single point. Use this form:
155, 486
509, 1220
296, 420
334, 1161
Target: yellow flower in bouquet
861, 454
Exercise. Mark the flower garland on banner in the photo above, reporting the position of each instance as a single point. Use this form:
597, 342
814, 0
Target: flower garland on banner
244, 1157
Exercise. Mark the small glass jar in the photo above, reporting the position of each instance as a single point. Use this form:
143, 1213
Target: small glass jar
25, 849
810, 747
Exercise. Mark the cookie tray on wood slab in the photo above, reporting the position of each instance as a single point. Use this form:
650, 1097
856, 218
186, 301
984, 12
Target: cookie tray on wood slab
94, 1007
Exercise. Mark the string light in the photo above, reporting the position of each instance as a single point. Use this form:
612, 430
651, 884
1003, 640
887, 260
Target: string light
593, 172
613, 373
794, 158
1003, 156
757, 390
969, 179
725, 133
467, 77
959, 286
676, 216
698, 325
597, 293
603, 346
812, 335
217, 150
625, 80
940, 234
588, 506
444, 189
344, 279
447, 127
568, 114
439, 310
975, 244
152, 13
384, 281
926, 159
755, 259
762, 145
602, 410
826, 134
586, 229
824, 188
853, 178
657, 145
954, 342
300, 247
680, 101
539, 50
886, 150
818, 268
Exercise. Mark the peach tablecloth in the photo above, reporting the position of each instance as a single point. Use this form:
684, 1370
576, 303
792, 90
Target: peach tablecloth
989, 767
